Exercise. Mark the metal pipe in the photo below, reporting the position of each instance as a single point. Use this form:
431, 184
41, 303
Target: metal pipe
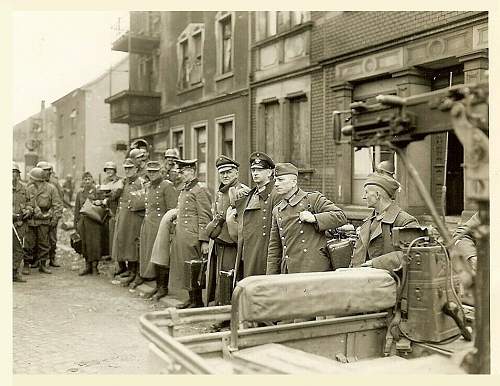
424, 194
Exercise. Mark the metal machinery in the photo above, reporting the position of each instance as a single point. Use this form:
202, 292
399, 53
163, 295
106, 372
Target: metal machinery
423, 317
395, 122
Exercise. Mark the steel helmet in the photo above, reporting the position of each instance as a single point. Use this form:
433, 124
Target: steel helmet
37, 174
110, 165
137, 153
172, 153
43, 165
15, 166
385, 166
139, 143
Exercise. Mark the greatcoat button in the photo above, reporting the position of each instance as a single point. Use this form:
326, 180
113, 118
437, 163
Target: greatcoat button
263, 234
305, 250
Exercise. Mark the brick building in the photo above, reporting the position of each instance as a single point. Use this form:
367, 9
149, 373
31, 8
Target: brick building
188, 86
85, 136
307, 65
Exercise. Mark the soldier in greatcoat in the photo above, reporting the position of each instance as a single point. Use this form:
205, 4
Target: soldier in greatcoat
92, 233
22, 209
223, 255
47, 210
140, 157
160, 198
128, 222
191, 237
374, 246
298, 240
250, 222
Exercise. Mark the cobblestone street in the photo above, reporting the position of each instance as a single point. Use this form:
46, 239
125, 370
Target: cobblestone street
66, 324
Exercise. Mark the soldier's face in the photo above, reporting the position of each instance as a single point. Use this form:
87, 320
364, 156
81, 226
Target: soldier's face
284, 184
153, 175
130, 172
87, 181
371, 196
110, 172
186, 174
227, 176
169, 162
261, 175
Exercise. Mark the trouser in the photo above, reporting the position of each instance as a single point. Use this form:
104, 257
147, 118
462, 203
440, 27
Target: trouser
40, 244
17, 249
52, 242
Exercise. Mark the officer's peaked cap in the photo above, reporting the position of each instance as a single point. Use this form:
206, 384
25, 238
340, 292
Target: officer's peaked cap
260, 160
224, 163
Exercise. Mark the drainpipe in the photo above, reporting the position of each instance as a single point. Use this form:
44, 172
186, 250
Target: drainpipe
323, 176
249, 70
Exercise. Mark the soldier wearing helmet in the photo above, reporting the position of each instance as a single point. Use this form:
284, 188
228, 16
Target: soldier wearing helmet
47, 212
21, 211
169, 170
140, 157
113, 188
53, 180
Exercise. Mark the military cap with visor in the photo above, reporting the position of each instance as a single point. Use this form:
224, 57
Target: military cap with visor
171, 153
139, 143
153, 166
224, 163
389, 184
186, 163
259, 160
15, 166
286, 168
129, 163
110, 165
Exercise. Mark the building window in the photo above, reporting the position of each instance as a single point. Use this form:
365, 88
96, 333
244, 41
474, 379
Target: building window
299, 132
271, 23
177, 140
271, 129
224, 35
225, 136
190, 56
200, 150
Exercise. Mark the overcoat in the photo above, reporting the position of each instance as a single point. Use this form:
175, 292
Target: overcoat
160, 198
128, 223
93, 234
371, 245
296, 246
254, 220
193, 215
224, 254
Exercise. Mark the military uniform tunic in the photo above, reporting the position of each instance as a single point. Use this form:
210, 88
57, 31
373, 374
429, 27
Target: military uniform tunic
298, 246
128, 223
20, 206
47, 208
370, 243
224, 256
160, 198
193, 215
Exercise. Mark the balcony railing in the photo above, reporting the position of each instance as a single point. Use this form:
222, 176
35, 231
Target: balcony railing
134, 107
137, 43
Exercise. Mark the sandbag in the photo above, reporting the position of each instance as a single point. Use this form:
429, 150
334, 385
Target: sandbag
346, 291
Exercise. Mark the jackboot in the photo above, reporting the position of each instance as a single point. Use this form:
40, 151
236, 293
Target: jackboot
17, 277
43, 267
132, 266
87, 270
197, 298
53, 263
94, 267
162, 283
188, 303
26, 269
136, 282
122, 268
